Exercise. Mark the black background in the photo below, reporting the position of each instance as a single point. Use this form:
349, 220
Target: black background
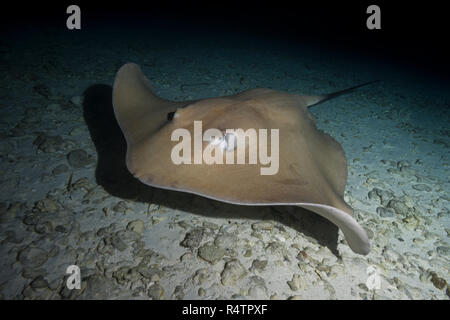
413, 31
173, 309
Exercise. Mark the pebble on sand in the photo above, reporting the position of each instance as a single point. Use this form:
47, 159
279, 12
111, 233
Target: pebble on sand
193, 238
296, 283
39, 283
79, 158
32, 257
263, 225
385, 212
399, 207
137, 226
232, 272
259, 265
49, 144
46, 205
443, 250
438, 282
155, 291
77, 100
211, 253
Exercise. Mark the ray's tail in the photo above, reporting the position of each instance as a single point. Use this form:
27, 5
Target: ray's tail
315, 100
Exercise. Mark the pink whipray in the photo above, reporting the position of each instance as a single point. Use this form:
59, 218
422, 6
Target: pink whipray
312, 166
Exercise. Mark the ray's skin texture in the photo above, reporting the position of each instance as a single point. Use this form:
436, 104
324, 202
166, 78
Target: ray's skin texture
312, 166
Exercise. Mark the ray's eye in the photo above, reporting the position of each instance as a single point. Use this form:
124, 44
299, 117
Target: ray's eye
172, 115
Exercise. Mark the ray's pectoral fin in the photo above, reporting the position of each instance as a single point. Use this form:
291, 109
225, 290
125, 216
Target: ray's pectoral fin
355, 235
139, 111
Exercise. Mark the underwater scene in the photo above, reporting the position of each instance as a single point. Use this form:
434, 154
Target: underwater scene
102, 195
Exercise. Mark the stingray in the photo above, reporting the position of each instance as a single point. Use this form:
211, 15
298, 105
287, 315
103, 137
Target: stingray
312, 168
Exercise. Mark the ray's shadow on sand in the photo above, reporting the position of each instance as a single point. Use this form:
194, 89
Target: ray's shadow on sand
113, 175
